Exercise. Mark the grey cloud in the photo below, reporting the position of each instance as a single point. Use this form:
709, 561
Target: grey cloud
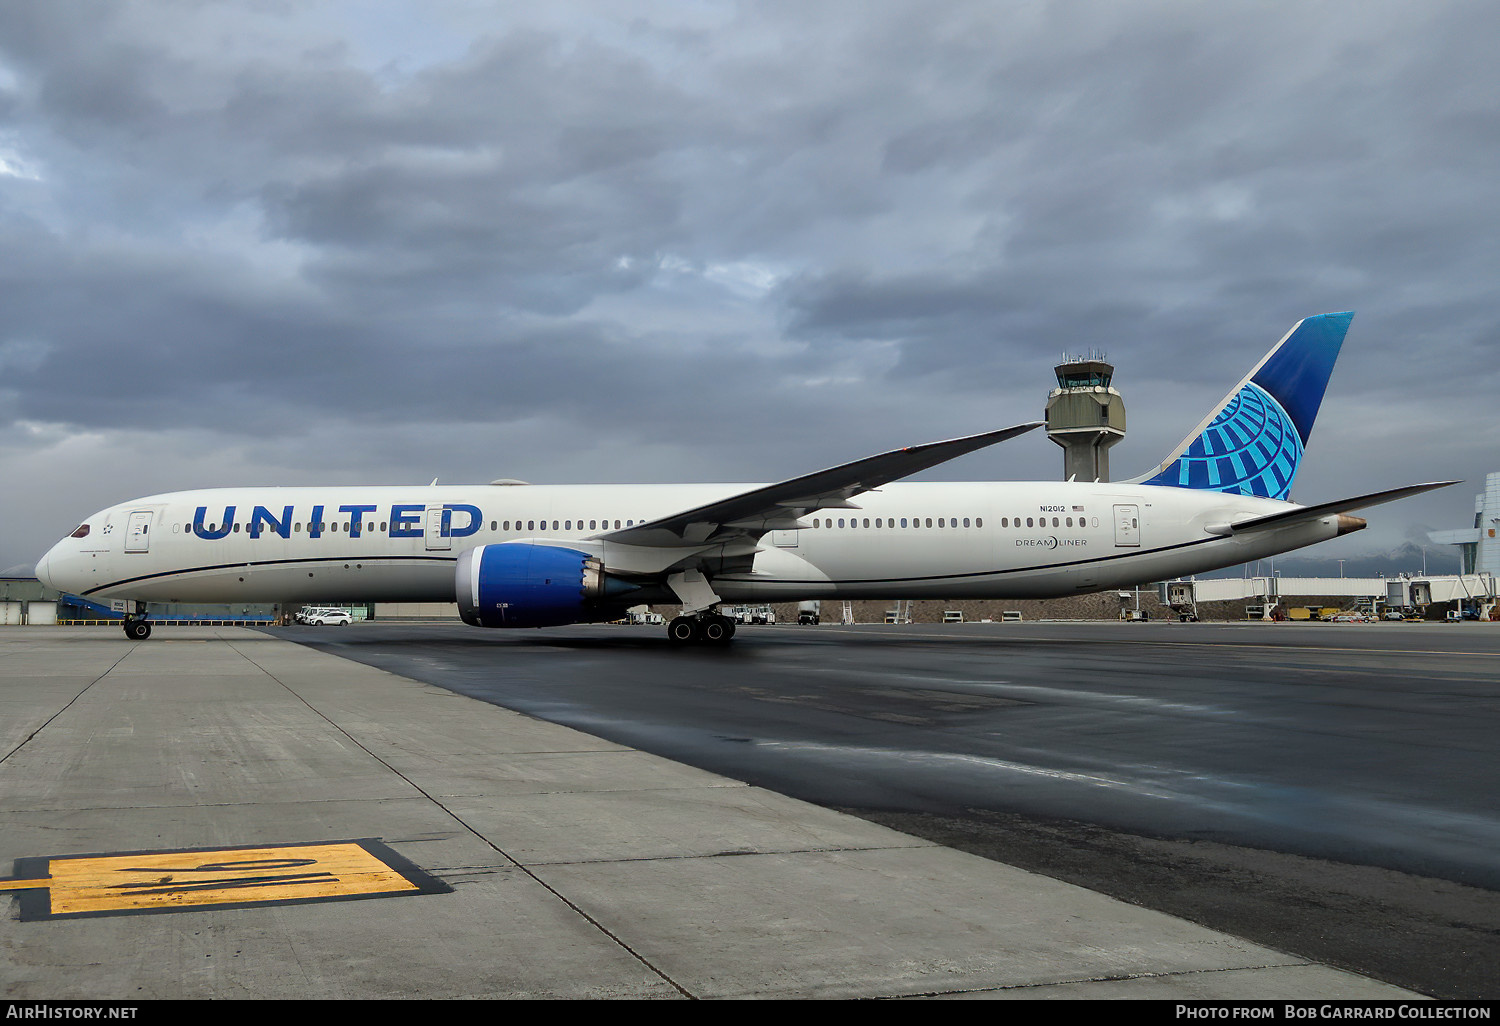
249, 218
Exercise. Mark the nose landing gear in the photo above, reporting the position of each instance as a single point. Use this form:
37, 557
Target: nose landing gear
137, 627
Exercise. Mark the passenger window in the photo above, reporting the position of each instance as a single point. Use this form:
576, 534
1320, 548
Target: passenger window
929, 521
979, 521
966, 521
903, 521
1029, 522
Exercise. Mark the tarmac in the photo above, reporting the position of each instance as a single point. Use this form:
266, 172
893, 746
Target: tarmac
216, 813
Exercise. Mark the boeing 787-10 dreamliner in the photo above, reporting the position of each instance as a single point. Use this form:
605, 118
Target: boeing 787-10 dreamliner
518, 555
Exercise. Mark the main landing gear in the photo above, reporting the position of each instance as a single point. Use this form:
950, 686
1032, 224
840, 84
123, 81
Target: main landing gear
137, 628
704, 628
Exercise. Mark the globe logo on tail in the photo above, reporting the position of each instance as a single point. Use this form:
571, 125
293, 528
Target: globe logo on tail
1252, 448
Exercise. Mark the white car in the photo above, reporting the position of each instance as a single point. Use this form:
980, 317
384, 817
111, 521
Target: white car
326, 617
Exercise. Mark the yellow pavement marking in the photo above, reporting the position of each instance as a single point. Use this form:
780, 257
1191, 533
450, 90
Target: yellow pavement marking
171, 881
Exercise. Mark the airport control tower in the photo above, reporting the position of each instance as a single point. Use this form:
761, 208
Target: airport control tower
1085, 416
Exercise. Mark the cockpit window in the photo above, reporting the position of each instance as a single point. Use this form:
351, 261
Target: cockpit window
82, 532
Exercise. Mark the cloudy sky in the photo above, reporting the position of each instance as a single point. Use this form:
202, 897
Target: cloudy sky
289, 242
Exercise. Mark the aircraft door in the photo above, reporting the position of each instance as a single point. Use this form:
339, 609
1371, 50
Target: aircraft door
138, 532
438, 535
1127, 526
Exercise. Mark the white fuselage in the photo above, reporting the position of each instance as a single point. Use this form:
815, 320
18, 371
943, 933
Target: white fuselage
907, 540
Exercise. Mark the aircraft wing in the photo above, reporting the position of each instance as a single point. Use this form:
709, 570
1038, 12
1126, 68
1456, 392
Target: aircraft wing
777, 506
1323, 509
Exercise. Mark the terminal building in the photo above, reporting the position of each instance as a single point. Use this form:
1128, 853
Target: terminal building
1479, 549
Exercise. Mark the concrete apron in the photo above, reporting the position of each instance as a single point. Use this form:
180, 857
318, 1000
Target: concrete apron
539, 861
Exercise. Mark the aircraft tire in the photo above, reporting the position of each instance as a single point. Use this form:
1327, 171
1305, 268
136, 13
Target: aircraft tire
683, 630
717, 630
137, 630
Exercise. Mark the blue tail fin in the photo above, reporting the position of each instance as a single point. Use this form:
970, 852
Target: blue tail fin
1253, 442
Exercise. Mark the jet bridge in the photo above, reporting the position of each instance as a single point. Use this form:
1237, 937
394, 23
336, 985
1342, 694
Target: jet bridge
1397, 592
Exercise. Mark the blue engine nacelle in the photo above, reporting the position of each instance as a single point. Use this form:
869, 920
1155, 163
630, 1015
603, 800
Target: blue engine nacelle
529, 584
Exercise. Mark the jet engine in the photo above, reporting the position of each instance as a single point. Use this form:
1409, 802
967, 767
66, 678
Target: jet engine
533, 584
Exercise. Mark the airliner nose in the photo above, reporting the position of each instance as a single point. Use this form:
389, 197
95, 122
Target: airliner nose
42, 569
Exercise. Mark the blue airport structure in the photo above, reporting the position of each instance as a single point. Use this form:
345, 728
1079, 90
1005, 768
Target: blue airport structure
23, 599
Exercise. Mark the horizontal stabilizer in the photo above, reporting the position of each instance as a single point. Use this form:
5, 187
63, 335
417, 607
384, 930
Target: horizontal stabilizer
1302, 514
